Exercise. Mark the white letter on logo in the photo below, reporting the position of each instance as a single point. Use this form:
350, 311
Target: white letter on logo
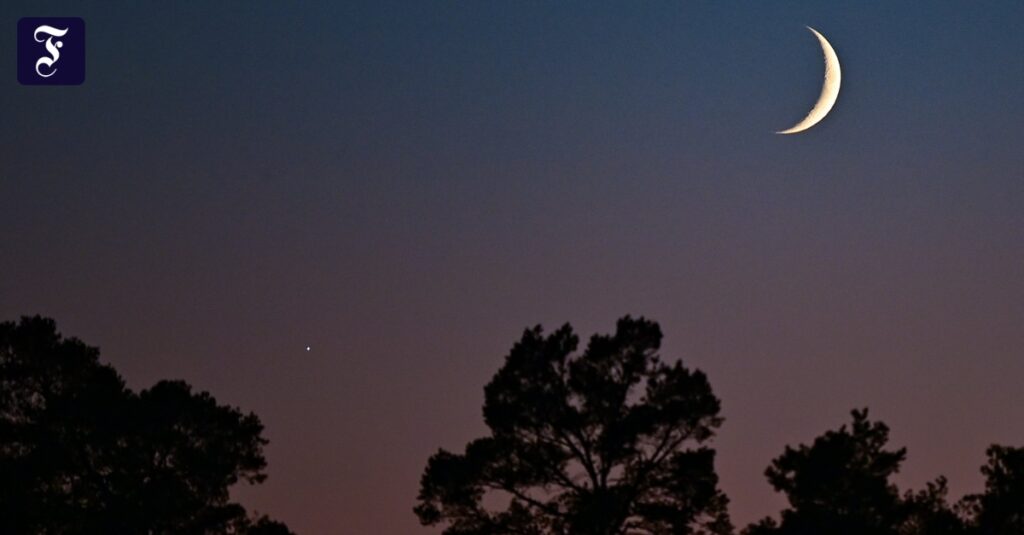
51, 47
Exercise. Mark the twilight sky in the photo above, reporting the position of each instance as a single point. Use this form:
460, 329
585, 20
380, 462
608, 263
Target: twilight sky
405, 186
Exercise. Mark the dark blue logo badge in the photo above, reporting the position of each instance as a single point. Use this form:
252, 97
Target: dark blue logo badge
51, 51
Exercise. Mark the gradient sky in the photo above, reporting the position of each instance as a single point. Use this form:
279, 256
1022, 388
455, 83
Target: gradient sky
405, 186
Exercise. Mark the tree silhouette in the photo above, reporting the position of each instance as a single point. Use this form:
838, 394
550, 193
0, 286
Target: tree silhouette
927, 512
80, 453
608, 441
1000, 510
838, 485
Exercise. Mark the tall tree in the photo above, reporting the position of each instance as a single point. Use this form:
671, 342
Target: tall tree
608, 441
81, 453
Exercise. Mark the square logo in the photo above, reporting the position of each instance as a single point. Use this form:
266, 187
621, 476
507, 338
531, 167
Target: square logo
51, 51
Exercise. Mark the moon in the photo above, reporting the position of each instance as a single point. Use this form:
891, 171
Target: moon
829, 89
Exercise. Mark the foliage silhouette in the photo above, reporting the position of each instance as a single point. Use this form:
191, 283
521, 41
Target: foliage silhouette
1000, 509
927, 512
841, 485
81, 453
266, 526
611, 440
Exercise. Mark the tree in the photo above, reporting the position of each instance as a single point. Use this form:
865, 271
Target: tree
927, 512
838, 485
82, 453
1000, 510
608, 441
841, 485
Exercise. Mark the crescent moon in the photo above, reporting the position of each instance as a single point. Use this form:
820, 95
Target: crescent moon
829, 90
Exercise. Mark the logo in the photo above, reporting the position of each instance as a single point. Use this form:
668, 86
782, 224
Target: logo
51, 51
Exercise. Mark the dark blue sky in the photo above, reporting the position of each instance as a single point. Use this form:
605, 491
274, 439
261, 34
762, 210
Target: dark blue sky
405, 186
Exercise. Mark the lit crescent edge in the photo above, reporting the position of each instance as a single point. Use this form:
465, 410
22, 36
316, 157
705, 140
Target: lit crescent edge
829, 90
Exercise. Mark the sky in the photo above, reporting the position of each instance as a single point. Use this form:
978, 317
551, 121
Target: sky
405, 186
